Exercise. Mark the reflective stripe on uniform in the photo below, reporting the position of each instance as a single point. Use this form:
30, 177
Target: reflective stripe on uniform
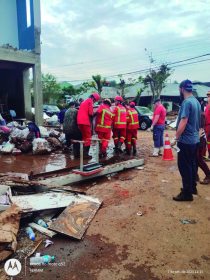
118, 117
104, 126
104, 111
120, 122
132, 119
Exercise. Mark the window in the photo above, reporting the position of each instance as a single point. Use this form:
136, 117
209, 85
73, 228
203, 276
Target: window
28, 13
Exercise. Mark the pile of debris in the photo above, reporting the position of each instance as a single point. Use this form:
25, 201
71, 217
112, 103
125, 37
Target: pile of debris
30, 208
20, 139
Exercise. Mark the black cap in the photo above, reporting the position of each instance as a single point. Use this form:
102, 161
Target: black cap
71, 103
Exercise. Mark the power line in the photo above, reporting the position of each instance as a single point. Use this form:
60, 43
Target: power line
142, 70
181, 46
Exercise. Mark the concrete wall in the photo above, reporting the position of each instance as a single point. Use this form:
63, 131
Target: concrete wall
8, 23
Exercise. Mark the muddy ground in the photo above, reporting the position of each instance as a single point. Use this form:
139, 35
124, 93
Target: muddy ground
119, 243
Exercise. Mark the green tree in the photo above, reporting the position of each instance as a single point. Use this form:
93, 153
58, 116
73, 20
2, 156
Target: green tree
97, 83
142, 87
70, 90
156, 80
50, 88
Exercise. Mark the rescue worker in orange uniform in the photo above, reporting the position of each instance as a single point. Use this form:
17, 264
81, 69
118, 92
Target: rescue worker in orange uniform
84, 121
119, 124
132, 128
103, 126
207, 123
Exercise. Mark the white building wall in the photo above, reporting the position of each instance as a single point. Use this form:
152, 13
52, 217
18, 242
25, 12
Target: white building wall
8, 23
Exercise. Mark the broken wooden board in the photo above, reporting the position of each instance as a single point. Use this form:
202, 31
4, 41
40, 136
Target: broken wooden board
75, 219
23, 176
109, 169
9, 226
49, 200
43, 230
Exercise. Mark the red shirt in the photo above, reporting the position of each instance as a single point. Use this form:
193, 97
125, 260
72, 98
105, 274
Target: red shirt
207, 114
160, 110
85, 112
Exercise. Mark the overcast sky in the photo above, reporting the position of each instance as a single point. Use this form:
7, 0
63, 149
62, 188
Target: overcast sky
111, 37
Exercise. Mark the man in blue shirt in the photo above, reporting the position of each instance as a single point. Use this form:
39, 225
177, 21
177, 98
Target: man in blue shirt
187, 136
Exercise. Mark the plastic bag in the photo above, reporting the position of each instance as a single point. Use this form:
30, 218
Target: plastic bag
7, 148
53, 120
41, 146
44, 132
4, 129
18, 133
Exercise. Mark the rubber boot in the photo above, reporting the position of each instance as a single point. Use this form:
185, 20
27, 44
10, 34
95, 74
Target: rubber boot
134, 150
76, 150
120, 147
86, 152
116, 149
161, 151
127, 151
155, 152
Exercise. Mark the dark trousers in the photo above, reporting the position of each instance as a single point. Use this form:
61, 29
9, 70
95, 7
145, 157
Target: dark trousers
158, 131
187, 164
200, 153
76, 146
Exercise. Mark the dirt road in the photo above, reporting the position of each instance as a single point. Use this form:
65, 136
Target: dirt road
137, 234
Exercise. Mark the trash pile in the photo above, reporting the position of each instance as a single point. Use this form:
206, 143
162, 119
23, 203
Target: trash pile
29, 210
30, 138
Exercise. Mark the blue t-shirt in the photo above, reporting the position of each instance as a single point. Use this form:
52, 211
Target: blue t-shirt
190, 109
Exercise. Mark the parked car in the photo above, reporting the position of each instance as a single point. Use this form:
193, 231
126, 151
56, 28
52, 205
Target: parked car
51, 110
145, 117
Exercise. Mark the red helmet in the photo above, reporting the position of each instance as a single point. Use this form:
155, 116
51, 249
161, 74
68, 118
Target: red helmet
96, 96
118, 98
132, 104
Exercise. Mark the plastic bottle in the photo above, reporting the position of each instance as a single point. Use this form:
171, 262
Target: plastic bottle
30, 233
41, 223
38, 260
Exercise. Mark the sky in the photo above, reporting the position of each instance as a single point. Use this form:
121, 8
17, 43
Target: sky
125, 38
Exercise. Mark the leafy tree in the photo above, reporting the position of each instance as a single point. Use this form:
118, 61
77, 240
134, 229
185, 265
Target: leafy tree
156, 80
50, 88
140, 90
97, 83
71, 90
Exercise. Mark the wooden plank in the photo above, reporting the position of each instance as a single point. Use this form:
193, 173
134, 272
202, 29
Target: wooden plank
43, 230
73, 178
75, 219
49, 200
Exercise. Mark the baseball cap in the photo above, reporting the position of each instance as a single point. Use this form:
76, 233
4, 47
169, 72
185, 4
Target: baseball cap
187, 85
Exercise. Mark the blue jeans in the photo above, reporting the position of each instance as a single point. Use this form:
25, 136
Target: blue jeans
158, 135
187, 165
